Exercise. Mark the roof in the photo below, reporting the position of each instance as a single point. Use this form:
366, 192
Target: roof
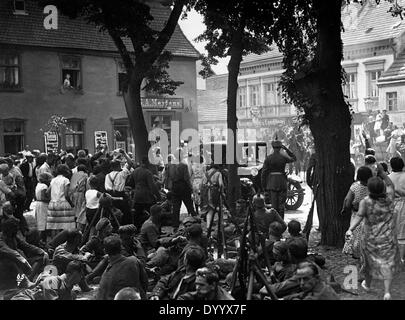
76, 33
396, 71
369, 23
273, 53
363, 23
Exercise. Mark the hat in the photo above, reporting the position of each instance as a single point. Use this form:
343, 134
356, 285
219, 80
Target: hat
259, 203
276, 144
29, 154
104, 222
3, 166
280, 247
128, 228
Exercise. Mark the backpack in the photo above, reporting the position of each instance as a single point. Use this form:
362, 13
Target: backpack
211, 189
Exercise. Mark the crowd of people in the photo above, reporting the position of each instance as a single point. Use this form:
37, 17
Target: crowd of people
376, 236
99, 223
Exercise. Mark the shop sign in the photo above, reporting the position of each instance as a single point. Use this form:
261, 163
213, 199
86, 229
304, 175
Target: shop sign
51, 142
162, 103
262, 123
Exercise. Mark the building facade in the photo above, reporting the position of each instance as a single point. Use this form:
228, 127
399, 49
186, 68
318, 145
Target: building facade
76, 72
374, 62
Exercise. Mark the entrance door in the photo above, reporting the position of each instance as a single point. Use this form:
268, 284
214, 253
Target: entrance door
162, 121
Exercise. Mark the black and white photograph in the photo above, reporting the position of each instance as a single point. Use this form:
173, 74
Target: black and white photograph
222, 152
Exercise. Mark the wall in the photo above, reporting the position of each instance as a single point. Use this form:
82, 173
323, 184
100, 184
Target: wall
99, 103
362, 76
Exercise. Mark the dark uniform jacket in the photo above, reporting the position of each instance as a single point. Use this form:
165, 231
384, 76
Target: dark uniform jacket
275, 163
221, 294
167, 285
120, 273
145, 189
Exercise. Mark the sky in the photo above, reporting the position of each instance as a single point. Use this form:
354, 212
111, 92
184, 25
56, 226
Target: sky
192, 27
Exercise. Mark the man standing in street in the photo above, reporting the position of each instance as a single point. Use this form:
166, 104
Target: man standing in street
274, 179
27, 169
182, 190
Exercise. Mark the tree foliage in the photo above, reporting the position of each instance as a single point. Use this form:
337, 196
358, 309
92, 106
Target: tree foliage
131, 25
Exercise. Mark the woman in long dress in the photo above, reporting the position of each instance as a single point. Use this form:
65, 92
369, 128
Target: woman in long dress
60, 212
398, 179
357, 192
78, 187
41, 204
379, 245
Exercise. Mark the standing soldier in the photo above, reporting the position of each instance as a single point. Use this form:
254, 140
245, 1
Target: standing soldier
274, 179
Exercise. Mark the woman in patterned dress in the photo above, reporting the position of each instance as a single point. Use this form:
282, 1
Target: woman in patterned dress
379, 245
60, 213
398, 179
357, 192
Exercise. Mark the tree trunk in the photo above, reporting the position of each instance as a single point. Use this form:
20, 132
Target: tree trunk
133, 106
233, 69
330, 120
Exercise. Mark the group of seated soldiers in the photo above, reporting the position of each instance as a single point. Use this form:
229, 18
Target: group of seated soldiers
132, 264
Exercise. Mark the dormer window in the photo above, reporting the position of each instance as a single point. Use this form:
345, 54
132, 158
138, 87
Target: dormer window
19, 7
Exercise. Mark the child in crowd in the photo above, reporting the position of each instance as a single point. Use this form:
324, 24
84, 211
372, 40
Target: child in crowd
92, 201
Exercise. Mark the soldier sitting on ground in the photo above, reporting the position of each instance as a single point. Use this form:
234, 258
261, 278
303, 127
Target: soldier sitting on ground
54, 287
18, 255
312, 287
207, 287
182, 280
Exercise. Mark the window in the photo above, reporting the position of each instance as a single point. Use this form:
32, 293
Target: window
71, 73
242, 97
9, 71
123, 135
122, 77
392, 101
372, 83
272, 94
254, 97
74, 135
13, 136
350, 88
19, 7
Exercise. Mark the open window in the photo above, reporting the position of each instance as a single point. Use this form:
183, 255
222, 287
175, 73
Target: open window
71, 73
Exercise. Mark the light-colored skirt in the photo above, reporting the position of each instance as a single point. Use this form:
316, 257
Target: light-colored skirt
60, 216
41, 214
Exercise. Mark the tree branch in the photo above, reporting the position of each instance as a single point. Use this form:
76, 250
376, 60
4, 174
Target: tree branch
125, 55
165, 35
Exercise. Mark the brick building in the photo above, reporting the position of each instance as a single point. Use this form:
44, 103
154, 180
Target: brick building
34, 62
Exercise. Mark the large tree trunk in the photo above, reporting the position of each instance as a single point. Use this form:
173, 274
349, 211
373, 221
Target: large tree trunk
233, 69
330, 120
133, 106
